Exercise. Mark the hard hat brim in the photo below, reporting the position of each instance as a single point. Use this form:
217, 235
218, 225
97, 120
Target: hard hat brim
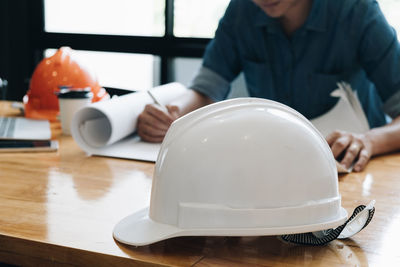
138, 229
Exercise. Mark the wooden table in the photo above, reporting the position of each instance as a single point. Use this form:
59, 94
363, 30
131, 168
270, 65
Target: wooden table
59, 208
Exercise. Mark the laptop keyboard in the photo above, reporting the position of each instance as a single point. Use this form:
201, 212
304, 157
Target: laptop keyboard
7, 126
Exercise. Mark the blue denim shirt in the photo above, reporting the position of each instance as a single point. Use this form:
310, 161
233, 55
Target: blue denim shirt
341, 40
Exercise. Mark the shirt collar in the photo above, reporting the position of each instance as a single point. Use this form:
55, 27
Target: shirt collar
318, 18
316, 21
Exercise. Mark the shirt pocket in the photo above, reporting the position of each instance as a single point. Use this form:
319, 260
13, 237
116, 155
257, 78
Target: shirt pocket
259, 79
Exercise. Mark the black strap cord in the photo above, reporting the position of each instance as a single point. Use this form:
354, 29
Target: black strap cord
330, 235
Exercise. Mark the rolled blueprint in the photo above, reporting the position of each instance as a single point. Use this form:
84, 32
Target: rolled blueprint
107, 127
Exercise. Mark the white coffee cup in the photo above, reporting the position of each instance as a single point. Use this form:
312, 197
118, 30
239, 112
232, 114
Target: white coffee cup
70, 101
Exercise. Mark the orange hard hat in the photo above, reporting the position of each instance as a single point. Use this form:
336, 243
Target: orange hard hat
60, 70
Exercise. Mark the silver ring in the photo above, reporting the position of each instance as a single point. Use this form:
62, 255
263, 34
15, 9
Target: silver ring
355, 147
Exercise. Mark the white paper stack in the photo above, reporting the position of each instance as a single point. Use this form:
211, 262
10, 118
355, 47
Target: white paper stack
346, 115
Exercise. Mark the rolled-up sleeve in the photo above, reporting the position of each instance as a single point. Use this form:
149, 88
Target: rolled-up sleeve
210, 84
380, 57
392, 105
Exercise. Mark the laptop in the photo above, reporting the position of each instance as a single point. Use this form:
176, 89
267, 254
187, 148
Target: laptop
16, 128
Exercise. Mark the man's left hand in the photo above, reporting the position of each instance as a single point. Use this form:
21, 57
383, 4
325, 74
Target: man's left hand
355, 148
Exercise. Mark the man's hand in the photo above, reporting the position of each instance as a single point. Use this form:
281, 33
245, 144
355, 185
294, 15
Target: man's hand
350, 148
154, 122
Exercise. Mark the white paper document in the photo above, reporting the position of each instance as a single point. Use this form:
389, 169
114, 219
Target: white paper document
107, 128
346, 115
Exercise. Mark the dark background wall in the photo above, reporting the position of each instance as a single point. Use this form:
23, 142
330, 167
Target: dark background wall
16, 45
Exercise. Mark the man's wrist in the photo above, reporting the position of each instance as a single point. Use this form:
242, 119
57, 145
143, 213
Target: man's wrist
379, 141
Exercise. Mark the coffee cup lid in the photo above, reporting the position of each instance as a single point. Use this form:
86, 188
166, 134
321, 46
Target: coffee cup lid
74, 93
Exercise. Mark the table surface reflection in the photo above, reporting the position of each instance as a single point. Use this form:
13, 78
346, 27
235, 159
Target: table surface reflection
59, 208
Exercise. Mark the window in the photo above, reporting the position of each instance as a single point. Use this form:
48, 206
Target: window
131, 44
391, 9
194, 18
116, 17
121, 70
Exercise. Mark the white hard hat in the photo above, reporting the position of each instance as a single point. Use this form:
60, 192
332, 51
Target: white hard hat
240, 167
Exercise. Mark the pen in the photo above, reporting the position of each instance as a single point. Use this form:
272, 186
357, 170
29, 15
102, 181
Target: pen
153, 97
156, 101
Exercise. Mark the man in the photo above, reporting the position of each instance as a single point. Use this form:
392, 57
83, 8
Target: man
294, 52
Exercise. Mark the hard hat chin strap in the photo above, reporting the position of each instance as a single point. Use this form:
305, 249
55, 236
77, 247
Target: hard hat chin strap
360, 218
